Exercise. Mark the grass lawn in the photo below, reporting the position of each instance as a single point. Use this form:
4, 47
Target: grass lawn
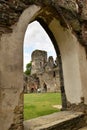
39, 104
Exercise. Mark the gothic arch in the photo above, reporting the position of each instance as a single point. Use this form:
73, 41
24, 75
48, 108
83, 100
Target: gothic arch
12, 46
66, 45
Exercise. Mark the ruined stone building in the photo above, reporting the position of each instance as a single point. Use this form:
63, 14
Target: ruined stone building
44, 73
65, 21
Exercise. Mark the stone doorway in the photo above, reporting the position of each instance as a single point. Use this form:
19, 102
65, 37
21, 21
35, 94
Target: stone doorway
56, 63
11, 95
59, 60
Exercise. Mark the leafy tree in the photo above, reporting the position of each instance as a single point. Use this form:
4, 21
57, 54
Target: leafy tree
28, 69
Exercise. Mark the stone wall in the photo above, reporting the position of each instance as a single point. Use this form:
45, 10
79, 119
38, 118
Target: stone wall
75, 12
67, 22
44, 73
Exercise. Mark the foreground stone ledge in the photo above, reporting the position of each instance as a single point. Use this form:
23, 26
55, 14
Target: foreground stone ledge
65, 120
84, 128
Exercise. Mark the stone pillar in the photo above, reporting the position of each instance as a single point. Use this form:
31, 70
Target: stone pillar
11, 72
11, 84
68, 45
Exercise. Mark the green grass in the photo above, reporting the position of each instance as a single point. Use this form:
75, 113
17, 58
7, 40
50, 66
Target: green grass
40, 104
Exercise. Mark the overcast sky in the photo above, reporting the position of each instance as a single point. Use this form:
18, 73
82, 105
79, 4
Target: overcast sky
36, 38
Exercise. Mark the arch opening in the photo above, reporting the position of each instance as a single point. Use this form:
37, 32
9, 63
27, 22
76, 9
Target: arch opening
43, 69
59, 60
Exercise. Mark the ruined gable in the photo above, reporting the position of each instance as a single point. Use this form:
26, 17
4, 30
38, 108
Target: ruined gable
44, 72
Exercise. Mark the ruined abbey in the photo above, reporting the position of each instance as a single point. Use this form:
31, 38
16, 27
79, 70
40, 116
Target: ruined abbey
44, 74
65, 21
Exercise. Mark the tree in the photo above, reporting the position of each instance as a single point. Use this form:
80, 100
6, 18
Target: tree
28, 69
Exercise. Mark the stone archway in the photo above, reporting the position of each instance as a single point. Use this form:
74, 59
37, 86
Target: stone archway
66, 44
11, 72
56, 46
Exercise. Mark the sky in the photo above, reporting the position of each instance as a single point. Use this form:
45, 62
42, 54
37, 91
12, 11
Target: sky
36, 38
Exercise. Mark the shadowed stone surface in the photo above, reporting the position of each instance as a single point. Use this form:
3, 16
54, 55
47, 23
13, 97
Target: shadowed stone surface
57, 121
84, 128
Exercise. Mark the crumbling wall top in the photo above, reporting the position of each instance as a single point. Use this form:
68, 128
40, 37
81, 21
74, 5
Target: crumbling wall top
73, 11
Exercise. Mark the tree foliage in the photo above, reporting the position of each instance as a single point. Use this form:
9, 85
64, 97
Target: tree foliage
28, 69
